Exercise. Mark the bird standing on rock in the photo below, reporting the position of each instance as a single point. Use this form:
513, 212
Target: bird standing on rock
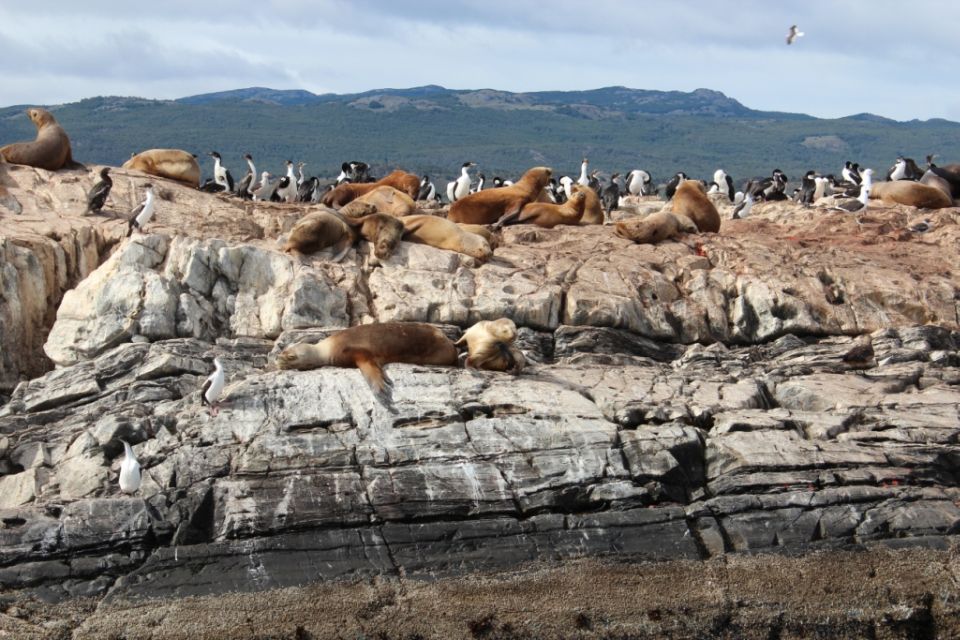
129, 470
213, 387
144, 211
97, 196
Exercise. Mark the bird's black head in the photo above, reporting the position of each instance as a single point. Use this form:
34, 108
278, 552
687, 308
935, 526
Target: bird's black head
215, 154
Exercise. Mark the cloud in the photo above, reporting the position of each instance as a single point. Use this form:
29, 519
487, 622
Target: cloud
855, 57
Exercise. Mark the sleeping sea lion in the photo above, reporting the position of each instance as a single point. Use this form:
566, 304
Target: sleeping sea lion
369, 347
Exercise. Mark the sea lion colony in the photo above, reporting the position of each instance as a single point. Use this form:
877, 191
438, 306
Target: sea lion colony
404, 206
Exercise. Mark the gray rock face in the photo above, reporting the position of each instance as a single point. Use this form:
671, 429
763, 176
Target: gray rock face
156, 289
305, 476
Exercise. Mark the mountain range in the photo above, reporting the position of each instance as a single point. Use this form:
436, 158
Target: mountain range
434, 130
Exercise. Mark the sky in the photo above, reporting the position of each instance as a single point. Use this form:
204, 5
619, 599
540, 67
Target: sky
895, 59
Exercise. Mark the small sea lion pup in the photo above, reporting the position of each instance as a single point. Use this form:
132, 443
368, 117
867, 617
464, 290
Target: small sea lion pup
490, 346
691, 200
51, 148
489, 205
174, 164
369, 347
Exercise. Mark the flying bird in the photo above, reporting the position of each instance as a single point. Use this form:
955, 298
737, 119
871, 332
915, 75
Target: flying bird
793, 34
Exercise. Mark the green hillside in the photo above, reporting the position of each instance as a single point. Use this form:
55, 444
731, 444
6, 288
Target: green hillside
434, 130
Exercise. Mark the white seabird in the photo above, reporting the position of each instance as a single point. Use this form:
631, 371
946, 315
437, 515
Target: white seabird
129, 470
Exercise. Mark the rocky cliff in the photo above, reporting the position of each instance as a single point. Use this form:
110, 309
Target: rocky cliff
686, 403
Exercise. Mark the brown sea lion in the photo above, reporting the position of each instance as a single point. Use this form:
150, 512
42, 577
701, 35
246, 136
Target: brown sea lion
490, 346
592, 207
441, 233
691, 200
655, 228
175, 164
51, 148
370, 346
483, 231
319, 230
381, 230
933, 180
548, 216
347, 192
383, 199
910, 193
489, 205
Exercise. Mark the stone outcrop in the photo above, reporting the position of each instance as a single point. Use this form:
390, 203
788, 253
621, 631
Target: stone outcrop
682, 402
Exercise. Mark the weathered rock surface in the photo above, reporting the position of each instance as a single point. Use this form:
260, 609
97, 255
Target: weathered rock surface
683, 401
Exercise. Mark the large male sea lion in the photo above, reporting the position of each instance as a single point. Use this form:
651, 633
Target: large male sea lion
910, 193
348, 191
691, 200
370, 346
489, 205
174, 164
441, 233
51, 148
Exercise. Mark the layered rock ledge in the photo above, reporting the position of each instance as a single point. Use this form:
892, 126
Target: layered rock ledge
686, 402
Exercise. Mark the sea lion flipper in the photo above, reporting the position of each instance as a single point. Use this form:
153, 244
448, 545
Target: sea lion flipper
508, 218
372, 371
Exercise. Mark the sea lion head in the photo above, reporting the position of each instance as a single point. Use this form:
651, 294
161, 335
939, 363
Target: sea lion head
539, 176
40, 117
296, 356
384, 232
503, 329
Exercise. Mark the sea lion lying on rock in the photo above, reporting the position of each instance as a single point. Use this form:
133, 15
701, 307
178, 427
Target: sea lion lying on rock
319, 230
548, 215
383, 199
910, 193
347, 192
175, 164
655, 228
441, 233
691, 200
490, 346
369, 347
489, 205
50, 150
